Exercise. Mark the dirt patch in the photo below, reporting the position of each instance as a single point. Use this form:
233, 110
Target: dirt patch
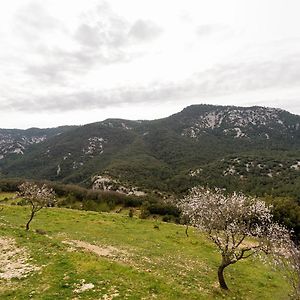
14, 260
106, 251
112, 293
83, 287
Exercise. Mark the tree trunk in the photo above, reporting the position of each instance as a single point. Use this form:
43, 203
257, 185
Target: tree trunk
222, 282
31, 217
186, 230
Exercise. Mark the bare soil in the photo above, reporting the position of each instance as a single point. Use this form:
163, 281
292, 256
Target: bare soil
14, 260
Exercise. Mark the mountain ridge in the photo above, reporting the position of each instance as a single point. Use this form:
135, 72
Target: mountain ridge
163, 153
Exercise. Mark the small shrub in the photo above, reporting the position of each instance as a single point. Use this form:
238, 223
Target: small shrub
144, 213
167, 218
103, 207
130, 213
41, 231
75, 205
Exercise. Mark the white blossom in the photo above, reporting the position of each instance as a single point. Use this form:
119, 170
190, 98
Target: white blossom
239, 225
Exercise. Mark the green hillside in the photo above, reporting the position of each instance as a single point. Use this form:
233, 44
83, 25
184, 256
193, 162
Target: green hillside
88, 255
203, 144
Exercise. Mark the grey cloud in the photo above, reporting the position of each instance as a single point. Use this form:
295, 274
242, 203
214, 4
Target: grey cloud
32, 20
47, 73
232, 78
103, 38
86, 100
221, 80
145, 30
88, 36
111, 30
210, 29
108, 30
64, 64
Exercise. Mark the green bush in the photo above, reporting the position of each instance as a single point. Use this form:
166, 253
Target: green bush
130, 213
144, 213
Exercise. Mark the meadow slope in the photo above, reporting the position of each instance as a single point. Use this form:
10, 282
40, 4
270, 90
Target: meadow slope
89, 255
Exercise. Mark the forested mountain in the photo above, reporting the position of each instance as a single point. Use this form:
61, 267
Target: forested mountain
255, 149
17, 141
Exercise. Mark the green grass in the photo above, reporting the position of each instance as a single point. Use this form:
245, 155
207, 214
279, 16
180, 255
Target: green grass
6, 196
158, 263
9, 198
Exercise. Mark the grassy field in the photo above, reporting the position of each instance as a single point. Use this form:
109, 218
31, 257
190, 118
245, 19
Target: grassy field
88, 255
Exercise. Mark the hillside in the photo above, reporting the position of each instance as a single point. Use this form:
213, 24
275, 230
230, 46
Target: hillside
18, 141
87, 255
226, 146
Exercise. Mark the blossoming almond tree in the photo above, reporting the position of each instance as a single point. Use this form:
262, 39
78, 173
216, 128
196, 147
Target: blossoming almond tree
287, 260
240, 226
37, 196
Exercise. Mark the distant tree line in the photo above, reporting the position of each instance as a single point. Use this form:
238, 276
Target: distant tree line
76, 197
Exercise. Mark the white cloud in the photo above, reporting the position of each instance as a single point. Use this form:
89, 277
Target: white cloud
83, 56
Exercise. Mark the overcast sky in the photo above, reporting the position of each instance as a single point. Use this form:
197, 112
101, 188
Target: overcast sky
80, 61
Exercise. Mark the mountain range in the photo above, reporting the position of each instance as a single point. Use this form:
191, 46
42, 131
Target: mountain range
254, 149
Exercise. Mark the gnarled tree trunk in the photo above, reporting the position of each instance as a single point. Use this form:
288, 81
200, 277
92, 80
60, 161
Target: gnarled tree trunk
31, 217
221, 278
